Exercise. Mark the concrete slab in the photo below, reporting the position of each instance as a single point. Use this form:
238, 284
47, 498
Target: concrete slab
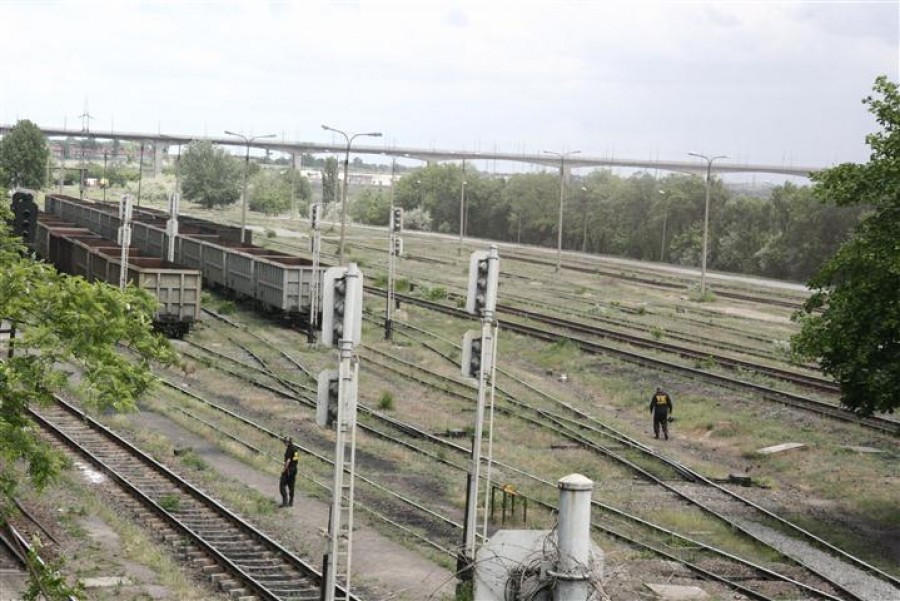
674, 592
781, 448
862, 449
105, 581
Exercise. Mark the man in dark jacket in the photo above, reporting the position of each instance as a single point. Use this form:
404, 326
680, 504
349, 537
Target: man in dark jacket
661, 408
289, 472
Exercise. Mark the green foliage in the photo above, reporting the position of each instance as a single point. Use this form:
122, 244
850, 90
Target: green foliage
330, 186
170, 502
23, 156
193, 460
63, 323
371, 207
209, 175
47, 578
437, 293
563, 353
401, 285
386, 401
273, 191
851, 323
270, 192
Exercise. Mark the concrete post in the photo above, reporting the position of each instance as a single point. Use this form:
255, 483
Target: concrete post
157, 159
574, 535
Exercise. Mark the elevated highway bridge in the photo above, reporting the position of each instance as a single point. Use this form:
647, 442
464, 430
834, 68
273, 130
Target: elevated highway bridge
160, 141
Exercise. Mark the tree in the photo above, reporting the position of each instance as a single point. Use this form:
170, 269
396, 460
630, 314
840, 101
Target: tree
330, 181
851, 323
371, 207
270, 192
209, 175
63, 323
23, 156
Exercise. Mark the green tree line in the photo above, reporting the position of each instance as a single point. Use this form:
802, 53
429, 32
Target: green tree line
787, 235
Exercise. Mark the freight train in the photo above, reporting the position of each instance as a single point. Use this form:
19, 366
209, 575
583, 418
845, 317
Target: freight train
78, 251
276, 282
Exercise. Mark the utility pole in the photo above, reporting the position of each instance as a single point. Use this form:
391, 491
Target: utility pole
315, 237
248, 141
462, 212
349, 138
140, 174
709, 162
562, 199
85, 129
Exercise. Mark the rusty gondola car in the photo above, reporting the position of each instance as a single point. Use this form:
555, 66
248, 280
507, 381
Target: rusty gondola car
276, 282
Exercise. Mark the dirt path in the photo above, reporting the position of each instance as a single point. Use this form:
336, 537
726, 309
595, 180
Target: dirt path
382, 568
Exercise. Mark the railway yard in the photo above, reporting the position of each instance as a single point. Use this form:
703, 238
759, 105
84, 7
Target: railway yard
766, 489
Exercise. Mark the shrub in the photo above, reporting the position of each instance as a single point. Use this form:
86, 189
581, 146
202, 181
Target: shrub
386, 402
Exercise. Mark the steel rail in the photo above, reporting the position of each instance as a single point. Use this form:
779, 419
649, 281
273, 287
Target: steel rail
230, 565
412, 431
418, 434
691, 475
881, 424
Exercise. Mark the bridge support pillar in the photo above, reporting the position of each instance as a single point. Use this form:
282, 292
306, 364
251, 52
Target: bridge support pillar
157, 159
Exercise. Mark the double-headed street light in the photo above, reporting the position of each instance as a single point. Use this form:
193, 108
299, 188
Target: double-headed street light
562, 197
248, 141
709, 162
349, 138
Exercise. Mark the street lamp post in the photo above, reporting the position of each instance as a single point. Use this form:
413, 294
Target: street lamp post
662, 246
584, 229
562, 198
462, 211
709, 162
349, 138
248, 141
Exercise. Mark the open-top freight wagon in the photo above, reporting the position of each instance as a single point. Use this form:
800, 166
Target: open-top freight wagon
275, 281
78, 251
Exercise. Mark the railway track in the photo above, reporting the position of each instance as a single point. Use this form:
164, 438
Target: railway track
719, 502
629, 273
415, 434
237, 557
821, 408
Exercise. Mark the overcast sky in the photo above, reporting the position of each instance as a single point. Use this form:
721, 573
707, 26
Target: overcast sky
761, 82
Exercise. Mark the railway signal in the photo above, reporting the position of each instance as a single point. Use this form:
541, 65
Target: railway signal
341, 327
125, 209
342, 306
327, 398
478, 361
472, 355
24, 216
172, 225
395, 249
315, 214
484, 273
396, 220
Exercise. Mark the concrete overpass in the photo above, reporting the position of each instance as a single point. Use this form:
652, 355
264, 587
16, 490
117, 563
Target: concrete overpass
160, 140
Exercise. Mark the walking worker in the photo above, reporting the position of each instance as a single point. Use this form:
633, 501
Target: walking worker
289, 472
661, 408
